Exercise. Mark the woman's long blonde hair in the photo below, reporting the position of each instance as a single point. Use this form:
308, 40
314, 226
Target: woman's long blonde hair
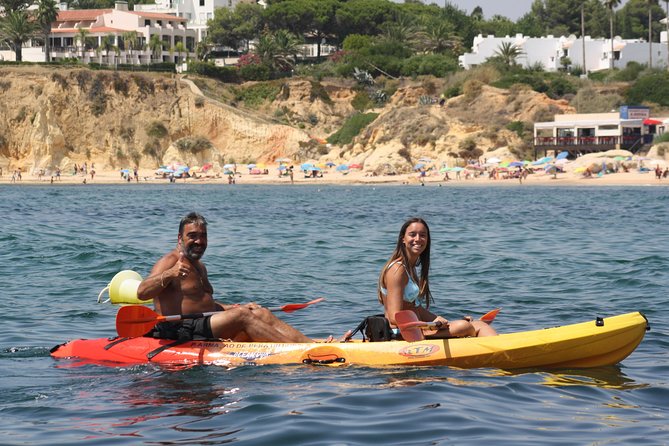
424, 262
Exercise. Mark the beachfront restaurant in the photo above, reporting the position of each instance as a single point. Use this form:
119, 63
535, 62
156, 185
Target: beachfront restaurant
630, 129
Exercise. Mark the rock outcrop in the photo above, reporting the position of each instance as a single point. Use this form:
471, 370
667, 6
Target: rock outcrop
58, 117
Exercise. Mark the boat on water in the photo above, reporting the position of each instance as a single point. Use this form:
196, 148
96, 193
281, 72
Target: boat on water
600, 342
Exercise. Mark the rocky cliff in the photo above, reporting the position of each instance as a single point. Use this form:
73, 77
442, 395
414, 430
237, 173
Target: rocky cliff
58, 117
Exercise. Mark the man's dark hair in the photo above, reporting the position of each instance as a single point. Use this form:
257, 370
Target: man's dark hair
192, 217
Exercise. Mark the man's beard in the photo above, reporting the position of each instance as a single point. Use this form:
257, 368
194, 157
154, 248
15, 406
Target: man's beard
189, 252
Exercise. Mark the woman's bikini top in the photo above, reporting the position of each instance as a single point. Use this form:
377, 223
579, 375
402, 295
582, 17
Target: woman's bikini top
411, 290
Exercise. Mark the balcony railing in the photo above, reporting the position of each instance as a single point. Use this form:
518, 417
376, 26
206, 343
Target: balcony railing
594, 143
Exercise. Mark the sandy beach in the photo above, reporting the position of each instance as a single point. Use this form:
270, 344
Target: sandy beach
332, 177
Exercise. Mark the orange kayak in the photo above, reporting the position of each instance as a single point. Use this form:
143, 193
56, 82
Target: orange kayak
600, 342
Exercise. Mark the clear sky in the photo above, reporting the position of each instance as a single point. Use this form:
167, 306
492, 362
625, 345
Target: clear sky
513, 9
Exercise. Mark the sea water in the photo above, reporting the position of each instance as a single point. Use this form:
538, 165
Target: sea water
548, 256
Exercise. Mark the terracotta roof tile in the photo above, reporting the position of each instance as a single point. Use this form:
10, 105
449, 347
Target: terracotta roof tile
80, 14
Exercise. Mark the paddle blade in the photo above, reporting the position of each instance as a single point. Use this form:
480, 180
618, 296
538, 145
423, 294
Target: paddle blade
135, 320
406, 322
289, 308
490, 316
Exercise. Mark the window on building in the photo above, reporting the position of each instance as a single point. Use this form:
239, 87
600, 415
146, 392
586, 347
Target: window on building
147, 22
202, 2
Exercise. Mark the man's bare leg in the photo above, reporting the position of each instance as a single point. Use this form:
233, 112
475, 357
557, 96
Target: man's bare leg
291, 332
229, 324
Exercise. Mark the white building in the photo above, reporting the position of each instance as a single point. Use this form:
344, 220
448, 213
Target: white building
549, 51
631, 129
196, 12
99, 23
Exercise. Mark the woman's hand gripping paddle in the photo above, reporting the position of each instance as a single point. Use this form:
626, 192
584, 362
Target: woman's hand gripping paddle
137, 320
412, 329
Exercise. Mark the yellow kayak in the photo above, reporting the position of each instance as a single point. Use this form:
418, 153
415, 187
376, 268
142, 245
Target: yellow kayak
600, 342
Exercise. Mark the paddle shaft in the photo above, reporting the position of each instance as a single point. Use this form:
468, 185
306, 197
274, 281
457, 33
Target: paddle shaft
178, 317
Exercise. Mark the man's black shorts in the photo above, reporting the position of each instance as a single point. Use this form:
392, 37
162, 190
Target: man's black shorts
186, 330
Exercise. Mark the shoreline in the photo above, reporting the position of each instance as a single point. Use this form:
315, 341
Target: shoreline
146, 177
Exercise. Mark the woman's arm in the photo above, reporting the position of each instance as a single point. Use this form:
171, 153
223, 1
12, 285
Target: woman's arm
395, 281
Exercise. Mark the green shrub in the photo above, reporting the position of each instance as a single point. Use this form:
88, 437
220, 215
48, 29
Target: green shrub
193, 144
516, 126
319, 92
664, 137
630, 73
653, 87
255, 72
255, 95
224, 74
352, 128
156, 130
534, 80
361, 101
356, 42
560, 87
434, 64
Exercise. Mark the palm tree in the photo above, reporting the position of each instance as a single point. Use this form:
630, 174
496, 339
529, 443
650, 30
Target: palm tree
106, 45
179, 47
46, 15
650, 4
610, 4
130, 42
508, 52
666, 21
156, 46
17, 28
437, 37
278, 50
81, 37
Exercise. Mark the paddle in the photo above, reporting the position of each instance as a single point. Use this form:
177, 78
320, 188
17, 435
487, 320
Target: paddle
136, 320
412, 329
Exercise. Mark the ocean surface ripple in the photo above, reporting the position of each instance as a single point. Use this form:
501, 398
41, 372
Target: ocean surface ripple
547, 256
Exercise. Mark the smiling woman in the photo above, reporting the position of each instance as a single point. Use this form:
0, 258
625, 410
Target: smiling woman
401, 288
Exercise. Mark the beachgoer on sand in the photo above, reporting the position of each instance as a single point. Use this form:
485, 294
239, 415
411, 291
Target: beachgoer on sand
404, 285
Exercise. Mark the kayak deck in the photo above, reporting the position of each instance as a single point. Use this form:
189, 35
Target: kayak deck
588, 344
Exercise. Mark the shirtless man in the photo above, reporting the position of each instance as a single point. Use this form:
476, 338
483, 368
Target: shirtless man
178, 284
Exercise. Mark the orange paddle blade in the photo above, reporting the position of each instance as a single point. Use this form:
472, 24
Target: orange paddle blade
289, 308
135, 320
490, 316
406, 322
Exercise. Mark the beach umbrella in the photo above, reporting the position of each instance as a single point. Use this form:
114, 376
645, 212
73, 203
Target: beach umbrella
229, 166
306, 166
282, 167
516, 164
473, 167
444, 169
250, 166
355, 166
494, 160
125, 170
457, 169
543, 160
314, 168
579, 169
562, 155
342, 168
418, 166
330, 164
